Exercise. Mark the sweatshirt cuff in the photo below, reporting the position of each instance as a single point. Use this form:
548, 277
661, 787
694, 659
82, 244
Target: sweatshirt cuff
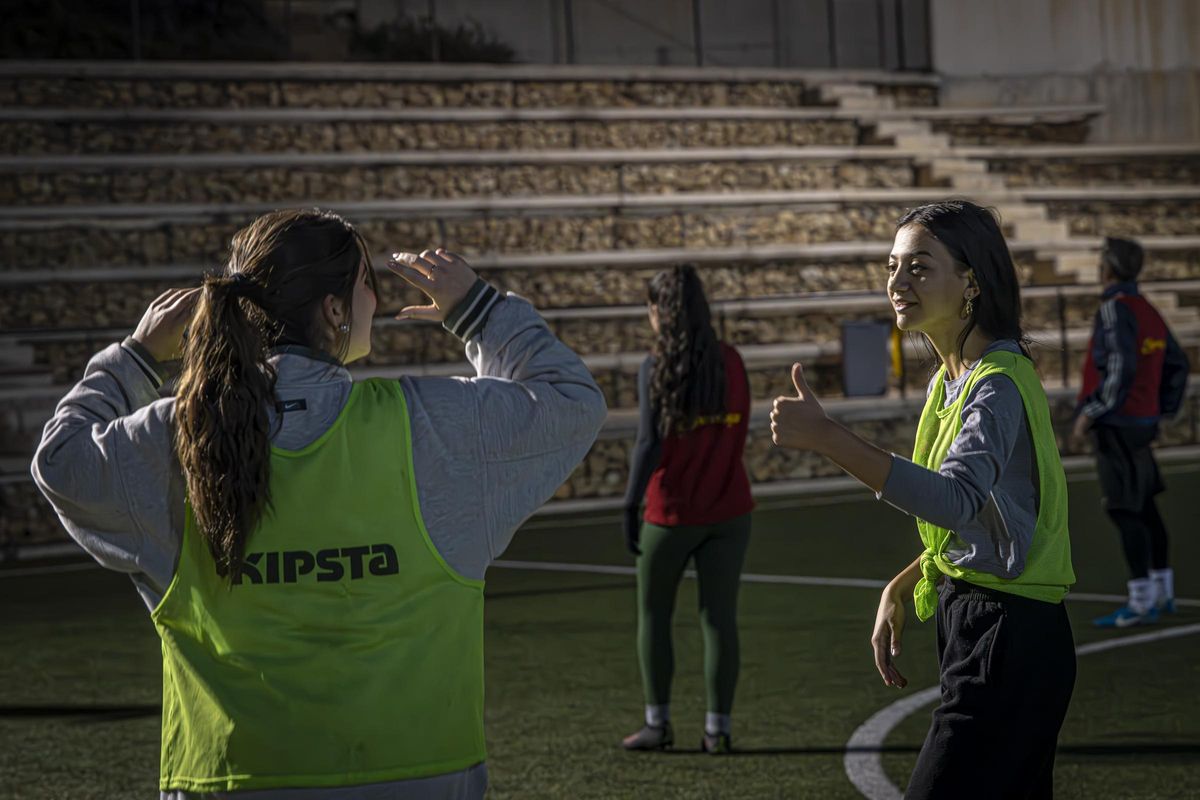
467, 318
146, 362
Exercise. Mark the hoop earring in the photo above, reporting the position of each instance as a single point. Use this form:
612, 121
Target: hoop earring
968, 309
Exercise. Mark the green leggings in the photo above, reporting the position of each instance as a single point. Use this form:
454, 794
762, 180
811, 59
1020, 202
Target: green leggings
719, 551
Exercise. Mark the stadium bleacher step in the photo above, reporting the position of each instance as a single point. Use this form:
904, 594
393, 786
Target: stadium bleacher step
1056, 195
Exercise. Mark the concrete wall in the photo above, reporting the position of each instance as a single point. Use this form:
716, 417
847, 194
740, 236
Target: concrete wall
1139, 57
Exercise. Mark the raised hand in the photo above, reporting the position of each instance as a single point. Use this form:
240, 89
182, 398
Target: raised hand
160, 330
798, 422
445, 278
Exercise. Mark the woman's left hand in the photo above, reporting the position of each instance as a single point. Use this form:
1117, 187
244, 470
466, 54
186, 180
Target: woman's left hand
444, 277
799, 422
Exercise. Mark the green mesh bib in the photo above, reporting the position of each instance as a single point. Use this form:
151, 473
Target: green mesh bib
348, 652
1048, 574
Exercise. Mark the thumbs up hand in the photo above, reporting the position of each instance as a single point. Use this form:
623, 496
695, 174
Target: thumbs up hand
799, 422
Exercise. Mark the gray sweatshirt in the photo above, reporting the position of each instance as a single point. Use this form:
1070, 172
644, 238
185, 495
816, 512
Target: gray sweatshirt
487, 452
987, 488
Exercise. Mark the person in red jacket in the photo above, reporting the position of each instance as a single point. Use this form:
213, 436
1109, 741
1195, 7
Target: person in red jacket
694, 401
1135, 374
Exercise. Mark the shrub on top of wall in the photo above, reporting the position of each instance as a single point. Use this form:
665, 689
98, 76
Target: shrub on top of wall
414, 39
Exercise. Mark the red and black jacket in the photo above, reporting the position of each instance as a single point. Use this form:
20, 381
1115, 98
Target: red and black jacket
1135, 372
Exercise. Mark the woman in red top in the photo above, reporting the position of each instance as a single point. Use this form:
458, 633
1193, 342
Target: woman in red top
694, 401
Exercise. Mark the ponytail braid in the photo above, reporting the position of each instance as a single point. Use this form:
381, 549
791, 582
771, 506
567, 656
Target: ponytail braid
689, 368
221, 424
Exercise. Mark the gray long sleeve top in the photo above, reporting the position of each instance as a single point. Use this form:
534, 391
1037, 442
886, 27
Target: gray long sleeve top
987, 488
513, 433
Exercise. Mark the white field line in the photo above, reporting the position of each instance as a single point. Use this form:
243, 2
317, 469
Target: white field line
863, 761
793, 580
617, 569
747, 577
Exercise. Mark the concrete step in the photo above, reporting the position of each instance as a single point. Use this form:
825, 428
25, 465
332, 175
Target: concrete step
152, 215
14, 352
977, 182
1011, 213
901, 127
549, 156
866, 103
1082, 267
465, 115
912, 140
180, 251
832, 92
945, 167
1035, 229
927, 143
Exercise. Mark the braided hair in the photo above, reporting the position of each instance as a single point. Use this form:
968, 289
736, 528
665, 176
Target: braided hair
689, 370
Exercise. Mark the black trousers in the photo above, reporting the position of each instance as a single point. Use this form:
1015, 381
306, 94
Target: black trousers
1130, 479
1007, 673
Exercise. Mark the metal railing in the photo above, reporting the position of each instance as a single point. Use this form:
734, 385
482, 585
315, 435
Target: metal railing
899, 32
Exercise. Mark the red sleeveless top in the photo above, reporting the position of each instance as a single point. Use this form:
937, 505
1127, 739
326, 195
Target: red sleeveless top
701, 477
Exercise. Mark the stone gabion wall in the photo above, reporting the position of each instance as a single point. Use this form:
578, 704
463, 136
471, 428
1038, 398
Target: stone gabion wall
1128, 218
119, 304
993, 132
67, 137
416, 343
65, 362
603, 472
346, 183
1024, 172
46, 304
217, 93
206, 243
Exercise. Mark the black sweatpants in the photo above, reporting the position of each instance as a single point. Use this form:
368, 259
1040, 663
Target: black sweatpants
1007, 673
1130, 479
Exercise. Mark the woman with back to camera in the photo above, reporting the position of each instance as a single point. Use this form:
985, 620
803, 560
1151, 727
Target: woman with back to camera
987, 487
694, 407
303, 541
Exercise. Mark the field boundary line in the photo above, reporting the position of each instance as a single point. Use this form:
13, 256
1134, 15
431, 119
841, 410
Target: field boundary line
747, 577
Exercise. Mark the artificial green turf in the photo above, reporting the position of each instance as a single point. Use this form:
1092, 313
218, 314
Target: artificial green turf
562, 675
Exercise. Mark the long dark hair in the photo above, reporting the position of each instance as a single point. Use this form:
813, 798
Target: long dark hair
280, 269
973, 237
689, 368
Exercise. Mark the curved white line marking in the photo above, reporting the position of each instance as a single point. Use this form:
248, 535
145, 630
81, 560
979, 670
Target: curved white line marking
863, 761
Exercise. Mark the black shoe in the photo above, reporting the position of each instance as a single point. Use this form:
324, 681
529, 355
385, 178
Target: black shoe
716, 744
650, 737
